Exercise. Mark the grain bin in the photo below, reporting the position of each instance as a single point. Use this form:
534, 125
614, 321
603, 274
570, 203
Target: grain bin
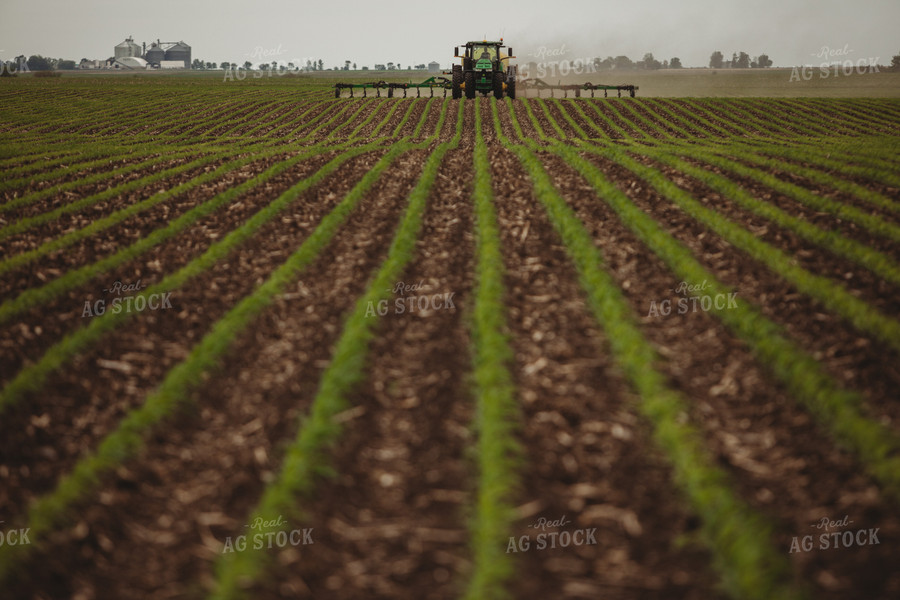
180, 51
127, 48
155, 55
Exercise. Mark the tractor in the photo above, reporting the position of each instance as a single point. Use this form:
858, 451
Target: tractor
483, 70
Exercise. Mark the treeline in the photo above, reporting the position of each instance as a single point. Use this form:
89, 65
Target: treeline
739, 60
36, 63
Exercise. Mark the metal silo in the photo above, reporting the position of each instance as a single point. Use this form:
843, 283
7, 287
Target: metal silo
155, 55
127, 48
180, 51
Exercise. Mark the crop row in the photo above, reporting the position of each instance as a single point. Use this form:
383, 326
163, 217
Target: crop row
575, 132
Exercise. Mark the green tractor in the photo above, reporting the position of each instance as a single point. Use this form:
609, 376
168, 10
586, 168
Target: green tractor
484, 70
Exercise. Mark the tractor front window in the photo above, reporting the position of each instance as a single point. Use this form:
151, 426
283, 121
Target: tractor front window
484, 53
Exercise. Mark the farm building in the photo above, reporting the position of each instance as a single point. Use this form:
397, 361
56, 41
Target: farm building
176, 55
434, 67
130, 62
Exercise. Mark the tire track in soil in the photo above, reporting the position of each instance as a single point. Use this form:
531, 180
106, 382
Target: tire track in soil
854, 360
589, 457
392, 523
84, 400
174, 505
782, 463
38, 329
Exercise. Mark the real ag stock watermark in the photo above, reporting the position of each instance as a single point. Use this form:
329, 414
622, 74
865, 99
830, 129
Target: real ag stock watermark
835, 63
842, 538
14, 67
550, 63
692, 303
277, 537
14, 537
550, 537
133, 302
268, 64
409, 300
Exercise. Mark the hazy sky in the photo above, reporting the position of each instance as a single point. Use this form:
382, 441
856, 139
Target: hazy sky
402, 31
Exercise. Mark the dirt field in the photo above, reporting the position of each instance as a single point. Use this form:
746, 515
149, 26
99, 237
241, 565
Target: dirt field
259, 342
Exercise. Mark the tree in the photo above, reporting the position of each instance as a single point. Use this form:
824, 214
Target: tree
715, 60
622, 62
675, 63
321, 64
763, 61
650, 62
248, 65
39, 63
895, 62
197, 64
390, 66
354, 66
604, 64
346, 65
65, 65
742, 61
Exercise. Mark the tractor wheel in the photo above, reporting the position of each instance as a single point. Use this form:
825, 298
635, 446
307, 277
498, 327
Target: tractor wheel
470, 85
337, 92
457, 82
498, 85
390, 92
578, 93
